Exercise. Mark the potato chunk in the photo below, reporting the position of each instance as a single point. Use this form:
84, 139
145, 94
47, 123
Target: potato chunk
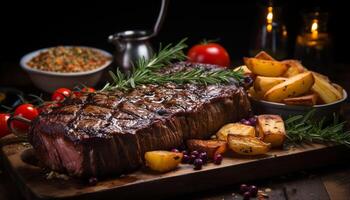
262, 83
262, 55
265, 67
272, 127
293, 87
162, 161
245, 69
294, 68
325, 90
211, 147
235, 128
247, 145
307, 100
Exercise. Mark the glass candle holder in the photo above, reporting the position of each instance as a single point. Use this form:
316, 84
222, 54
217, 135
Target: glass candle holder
271, 34
313, 43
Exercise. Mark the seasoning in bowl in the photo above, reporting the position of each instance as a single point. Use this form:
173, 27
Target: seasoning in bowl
68, 59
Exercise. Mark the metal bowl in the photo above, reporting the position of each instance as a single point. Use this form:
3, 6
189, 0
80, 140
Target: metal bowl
50, 81
324, 110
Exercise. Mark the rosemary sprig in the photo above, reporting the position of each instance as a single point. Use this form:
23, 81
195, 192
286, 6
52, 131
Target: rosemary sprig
304, 129
145, 71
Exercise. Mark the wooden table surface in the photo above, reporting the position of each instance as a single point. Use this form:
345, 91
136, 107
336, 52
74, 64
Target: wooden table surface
331, 182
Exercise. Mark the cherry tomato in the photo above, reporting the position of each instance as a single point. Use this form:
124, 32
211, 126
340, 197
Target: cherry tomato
85, 89
60, 94
209, 53
27, 111
88, 89
3, 124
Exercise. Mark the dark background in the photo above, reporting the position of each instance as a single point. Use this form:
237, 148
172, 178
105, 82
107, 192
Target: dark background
30, 25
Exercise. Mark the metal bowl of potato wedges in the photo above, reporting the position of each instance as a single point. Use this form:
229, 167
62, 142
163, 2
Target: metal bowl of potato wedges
321, 110
288, 88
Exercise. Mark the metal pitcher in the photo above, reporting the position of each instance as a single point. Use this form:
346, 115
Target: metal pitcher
134, 44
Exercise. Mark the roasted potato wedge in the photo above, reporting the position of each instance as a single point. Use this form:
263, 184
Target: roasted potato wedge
265, 67
321, 76
294, 68
325, 90
162, 161
211, 147
235, 128
293, 87
272, 127
247, 145
262, 83
245, 69
253, 94
307, 100
339, 88
262, 55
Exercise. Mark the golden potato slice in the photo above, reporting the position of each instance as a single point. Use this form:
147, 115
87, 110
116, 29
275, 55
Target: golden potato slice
211, 147
339, 88
245, 69
235, 128
162, 161
293, 87
247, 145
265, 67
262, 83
307, 100
272, 127
262, 55
324, 77
294, 68
253, 94
325, 90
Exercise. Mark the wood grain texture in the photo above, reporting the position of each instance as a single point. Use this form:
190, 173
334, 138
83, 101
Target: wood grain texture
234, 169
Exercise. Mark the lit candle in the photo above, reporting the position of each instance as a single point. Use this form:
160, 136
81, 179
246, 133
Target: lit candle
269, 18
314, 29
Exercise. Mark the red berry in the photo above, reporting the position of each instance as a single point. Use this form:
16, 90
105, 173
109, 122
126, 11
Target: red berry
93, 181
192, 158
203, 156
253, 190
217, 159
243, 188
184, 152
185, 159
245, 122
175, 150
195, 153
198, 163
246, 196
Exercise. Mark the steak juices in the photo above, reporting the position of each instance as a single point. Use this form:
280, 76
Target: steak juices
104, 133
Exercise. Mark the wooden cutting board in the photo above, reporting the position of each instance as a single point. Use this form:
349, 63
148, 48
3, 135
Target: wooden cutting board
33, 183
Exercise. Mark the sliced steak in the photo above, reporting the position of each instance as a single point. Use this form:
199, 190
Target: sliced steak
103, 133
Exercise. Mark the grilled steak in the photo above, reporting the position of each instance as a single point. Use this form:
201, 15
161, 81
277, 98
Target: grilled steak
108, 133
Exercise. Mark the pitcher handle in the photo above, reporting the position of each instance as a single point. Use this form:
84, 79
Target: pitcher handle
161, 17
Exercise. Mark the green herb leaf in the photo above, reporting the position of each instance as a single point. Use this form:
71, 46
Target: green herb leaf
303, 129
145, 71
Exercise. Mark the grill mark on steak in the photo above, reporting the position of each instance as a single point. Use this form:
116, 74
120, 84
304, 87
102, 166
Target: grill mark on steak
108, 133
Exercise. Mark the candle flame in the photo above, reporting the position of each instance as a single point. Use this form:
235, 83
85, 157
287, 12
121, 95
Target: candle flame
314, 29
269, 19
269, 16
269, 28
314, 25
284, 32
